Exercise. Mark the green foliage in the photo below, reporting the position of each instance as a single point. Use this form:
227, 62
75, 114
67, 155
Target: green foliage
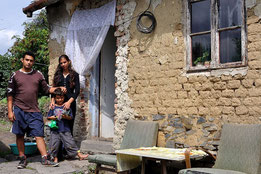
43, 104
3, 101
202, 58
5, 71
91, 168
35, 39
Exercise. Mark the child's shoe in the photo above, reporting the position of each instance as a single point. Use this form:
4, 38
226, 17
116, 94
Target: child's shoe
48, 162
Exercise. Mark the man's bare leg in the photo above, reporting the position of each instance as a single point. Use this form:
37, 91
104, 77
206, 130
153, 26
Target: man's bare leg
20, 144
41, 145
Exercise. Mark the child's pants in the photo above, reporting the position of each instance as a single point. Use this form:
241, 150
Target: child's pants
67, 140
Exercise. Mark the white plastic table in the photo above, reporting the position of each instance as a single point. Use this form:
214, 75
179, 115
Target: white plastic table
130, 158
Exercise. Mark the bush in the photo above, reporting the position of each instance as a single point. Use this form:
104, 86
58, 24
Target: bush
3, 101
44, 103
5, 71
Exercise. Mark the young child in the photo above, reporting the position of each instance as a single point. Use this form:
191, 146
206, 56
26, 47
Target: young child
63, 132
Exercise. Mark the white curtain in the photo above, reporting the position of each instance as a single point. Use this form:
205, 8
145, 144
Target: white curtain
85, 36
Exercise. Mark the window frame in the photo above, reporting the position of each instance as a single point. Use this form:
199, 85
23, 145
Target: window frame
215, 43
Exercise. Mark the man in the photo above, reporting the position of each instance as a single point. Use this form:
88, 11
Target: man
23, 111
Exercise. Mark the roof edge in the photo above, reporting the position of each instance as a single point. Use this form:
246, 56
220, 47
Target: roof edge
37, 5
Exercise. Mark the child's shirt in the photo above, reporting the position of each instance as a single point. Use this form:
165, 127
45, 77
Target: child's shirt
63, 124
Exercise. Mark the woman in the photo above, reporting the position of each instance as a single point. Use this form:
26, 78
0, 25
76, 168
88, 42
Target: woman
66, 78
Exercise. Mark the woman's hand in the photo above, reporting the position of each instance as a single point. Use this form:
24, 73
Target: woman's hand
66, 105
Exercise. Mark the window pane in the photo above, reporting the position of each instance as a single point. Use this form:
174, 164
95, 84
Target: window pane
201, 48
230, 13
200, 16
230, 46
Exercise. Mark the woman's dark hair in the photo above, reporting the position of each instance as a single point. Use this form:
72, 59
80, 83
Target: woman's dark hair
59, 73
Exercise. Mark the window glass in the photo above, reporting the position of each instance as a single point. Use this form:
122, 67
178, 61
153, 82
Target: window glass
229, 13
201, 48
200, 16
230, 46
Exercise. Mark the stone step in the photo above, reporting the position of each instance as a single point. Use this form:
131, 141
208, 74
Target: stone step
97, 146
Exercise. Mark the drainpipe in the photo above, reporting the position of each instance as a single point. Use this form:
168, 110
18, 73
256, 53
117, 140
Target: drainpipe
36, 5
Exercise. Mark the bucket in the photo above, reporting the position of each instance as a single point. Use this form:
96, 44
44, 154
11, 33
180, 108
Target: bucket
30, 148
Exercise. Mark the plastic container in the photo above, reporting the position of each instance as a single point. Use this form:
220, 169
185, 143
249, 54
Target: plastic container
30, 148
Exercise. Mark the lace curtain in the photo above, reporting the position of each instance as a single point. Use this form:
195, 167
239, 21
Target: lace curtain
85, 36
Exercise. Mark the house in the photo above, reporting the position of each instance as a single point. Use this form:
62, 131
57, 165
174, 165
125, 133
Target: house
150, 69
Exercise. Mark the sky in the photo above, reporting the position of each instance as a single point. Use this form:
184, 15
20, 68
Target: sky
11, 20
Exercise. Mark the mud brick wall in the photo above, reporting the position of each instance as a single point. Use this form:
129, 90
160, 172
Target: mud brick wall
152, 82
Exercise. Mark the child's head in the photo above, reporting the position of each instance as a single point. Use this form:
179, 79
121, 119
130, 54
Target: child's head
58, 96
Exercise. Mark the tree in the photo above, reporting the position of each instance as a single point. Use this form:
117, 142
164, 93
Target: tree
35, 39
5, 71
36, 34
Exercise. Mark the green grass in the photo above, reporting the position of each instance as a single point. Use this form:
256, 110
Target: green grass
78, 172
30, 168
91, 168
5, 124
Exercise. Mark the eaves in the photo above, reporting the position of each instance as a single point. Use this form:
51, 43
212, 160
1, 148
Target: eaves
36, 5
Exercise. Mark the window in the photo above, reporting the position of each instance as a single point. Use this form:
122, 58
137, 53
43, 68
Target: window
215, 34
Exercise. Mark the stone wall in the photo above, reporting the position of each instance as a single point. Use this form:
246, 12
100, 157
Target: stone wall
152, 83
123, 110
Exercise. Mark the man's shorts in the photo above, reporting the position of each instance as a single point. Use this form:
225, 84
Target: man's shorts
30, 123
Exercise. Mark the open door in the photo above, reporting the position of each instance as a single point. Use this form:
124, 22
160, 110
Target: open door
107, 85
102, 89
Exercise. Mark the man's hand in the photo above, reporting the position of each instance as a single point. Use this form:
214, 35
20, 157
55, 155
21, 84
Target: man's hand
11, 116
64, 90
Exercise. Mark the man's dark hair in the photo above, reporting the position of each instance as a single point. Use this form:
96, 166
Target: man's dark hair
58, 91
29, 53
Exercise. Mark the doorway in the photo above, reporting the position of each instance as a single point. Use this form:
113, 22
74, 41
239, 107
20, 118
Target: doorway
102, 90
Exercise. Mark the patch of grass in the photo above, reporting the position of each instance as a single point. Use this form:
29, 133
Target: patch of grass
91, 168
3, 121
78, 172
30, 168
5, 124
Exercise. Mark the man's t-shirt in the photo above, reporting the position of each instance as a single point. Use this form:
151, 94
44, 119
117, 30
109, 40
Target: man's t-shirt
24, 88
63, 124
